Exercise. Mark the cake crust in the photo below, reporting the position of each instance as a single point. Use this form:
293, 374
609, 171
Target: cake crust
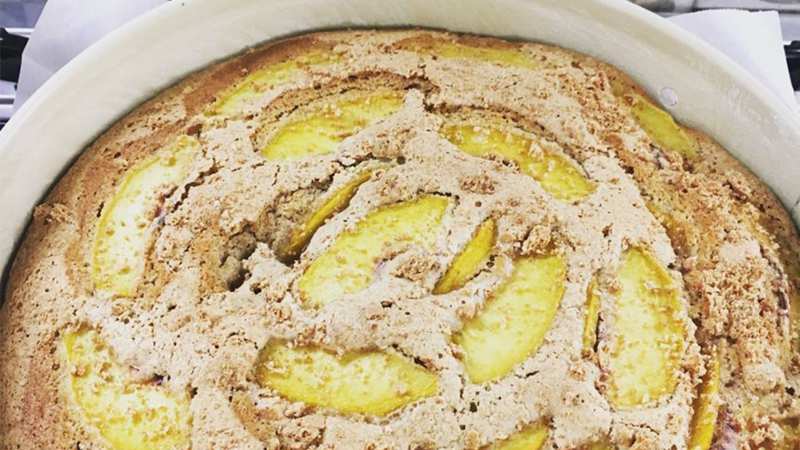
213, 293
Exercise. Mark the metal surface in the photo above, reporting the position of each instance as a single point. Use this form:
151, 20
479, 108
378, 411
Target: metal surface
20, 31
789, 10
793, 61
11, 47
12, 43
20, 13
753, 5
6, 101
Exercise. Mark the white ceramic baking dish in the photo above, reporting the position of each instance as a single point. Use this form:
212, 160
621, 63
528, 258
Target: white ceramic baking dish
139, 59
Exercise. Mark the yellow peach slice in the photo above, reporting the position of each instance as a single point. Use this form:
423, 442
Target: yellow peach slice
592, 317
648, 333
128, 415
662, 128
125, 224
334, 204
530, 438
657, 123
794, 318
347, 266
318, 128
557, 175
706, 408
231, 102
792, 268
469, 261
374, 382
601, 445
502, 55
791, 435
513, 322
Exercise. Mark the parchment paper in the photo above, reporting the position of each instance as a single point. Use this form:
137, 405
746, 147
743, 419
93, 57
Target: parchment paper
64, 29
753, 39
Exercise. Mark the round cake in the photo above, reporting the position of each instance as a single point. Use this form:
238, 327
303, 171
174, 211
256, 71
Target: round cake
403, 239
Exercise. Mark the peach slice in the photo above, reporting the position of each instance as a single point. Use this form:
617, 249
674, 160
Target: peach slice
318, 128
513, 323
530, 438
592, 317
557, 175
657, 123
602, 444
648, 336
503, 55
794, 318
128, 415
706, 408
335, 203
662, 128
791, 435
467, 263
348, 265
792, 268
372, 382
230, 102
125, 224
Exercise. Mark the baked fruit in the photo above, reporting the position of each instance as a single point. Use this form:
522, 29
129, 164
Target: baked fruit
403, 239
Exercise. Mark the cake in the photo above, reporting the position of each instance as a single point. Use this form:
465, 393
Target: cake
403, 239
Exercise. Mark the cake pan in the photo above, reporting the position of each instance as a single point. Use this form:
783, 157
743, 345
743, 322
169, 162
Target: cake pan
139, 59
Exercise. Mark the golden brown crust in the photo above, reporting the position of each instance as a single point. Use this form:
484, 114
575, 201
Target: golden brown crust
705, 204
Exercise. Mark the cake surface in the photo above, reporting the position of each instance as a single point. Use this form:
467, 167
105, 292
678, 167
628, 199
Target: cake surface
404, 239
